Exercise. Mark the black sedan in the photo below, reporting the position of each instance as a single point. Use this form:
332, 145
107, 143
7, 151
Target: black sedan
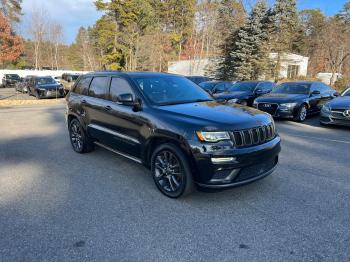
45, 87
245, 92
296, 100
337, 111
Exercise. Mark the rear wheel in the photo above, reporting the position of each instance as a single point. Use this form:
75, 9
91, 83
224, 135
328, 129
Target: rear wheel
171, 172
302, 113
81, 143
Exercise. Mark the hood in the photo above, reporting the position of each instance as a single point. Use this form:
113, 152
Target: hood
217, 116
281, 98
231, 95
340, 103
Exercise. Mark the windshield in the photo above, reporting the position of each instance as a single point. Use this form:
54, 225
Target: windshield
208, 85
292, 88
346, 93
45, 81
244, 86
167, 90
13, 76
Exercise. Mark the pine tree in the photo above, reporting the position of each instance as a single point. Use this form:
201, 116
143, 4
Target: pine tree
286, 33
245, 58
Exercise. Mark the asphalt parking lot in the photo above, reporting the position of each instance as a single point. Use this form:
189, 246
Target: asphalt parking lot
12, 94
56, 205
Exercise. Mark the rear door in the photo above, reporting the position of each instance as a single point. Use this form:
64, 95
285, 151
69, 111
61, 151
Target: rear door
95, 107
315, 101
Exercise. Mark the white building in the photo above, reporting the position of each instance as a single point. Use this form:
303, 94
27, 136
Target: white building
326, 77
292, 66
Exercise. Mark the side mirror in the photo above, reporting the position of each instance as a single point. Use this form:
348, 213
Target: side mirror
259, 91
126, 99
315, 93
214, 91
336, 94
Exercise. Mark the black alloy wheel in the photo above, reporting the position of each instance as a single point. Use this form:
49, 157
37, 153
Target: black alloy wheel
171, 172
79, 140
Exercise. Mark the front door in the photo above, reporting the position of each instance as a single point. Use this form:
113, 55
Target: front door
123, 123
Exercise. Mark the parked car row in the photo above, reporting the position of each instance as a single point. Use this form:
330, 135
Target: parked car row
40, 87
193, 134
291, 100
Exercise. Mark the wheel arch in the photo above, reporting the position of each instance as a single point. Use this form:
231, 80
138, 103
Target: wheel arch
153, 142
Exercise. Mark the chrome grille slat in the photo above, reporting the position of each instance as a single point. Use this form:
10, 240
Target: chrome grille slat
253, 136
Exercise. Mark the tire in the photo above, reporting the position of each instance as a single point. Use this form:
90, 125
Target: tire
171, 171
37, 95
302, 114
80, 141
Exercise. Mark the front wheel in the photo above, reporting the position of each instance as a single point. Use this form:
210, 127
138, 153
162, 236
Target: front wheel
81, 143
302, 113
171, 172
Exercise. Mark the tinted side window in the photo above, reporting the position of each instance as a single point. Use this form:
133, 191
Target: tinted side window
220, 87
315, 87
119, 86
268, 86
83, 86
99, 87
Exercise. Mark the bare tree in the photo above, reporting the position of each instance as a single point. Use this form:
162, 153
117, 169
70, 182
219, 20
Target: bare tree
56, 35
37, 31
334, 46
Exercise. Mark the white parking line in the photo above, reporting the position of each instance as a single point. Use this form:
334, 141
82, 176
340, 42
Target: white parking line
322, 139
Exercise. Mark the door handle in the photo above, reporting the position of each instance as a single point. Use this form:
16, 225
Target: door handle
83, 101
108, 108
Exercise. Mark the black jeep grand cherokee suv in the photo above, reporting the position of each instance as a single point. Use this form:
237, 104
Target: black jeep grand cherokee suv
174, 127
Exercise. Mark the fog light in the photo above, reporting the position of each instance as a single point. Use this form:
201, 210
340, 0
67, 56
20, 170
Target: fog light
222, 160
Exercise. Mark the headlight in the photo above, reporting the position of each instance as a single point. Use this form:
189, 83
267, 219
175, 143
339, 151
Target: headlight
288, 105
212, 136
232, 101
326, 109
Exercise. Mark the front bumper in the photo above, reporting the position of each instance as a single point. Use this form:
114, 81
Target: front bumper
242, 166
51, 93
277, 111
334, 119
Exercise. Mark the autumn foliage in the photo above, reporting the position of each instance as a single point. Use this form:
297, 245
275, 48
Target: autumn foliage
11, 45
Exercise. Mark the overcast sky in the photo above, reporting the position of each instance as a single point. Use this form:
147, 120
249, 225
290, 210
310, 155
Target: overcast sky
72, 14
